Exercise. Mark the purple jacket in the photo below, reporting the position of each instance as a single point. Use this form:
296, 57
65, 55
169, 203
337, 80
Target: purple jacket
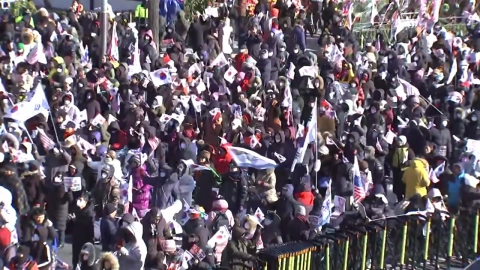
141, 192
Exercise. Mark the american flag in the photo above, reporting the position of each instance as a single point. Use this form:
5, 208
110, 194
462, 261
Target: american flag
32, 56
153, 142
358, 186
47, 143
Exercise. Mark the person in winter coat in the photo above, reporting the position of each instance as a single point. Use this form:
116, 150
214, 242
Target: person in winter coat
9, 180
38, 231
133, 251
286, 208
107, 188
455, 186
59, 197
91, 105
401, 160
416, 178
82, 226
56, 161
110, 159
240, 252
186, 184
108, 261
265, 186
88, 257
234, 189
34, 186
141, 189
196, 226
441, 137
155, 228
8, 218
374, 165
298, 225
108, 227
169, 190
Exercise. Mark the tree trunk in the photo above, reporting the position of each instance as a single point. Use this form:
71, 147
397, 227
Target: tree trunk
154, 19
48, 4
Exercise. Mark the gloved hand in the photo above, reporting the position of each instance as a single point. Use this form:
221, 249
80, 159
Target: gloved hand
123, 251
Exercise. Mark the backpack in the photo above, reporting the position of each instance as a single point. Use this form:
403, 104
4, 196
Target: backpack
220, 220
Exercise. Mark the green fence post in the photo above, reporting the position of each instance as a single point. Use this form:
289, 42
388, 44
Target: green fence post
403, 244
451, 231
426, 244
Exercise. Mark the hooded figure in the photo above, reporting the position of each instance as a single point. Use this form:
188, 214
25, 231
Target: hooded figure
87, 257
12, 183
416, 178
186, 184
82, 226
59, 197
131, 256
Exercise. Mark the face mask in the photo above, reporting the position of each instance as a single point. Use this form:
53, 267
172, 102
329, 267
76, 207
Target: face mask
59, 70
373, 110
89, 96
79, 203
270, 54
474, 118
445, 123
295, 51
264, 56
147, 39
57, 180
278, 138
67, 102
104, 175
282, 49
162, 174
183, 145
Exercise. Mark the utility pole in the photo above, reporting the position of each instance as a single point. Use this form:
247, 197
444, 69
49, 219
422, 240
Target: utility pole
104, 23
154, 19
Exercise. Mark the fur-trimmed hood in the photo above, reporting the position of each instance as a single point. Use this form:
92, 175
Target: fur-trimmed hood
460, 111
111, 258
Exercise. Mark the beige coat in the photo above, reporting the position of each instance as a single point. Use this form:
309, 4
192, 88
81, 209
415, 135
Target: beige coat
266, 186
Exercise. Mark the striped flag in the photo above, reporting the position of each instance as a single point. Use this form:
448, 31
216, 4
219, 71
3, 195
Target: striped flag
32, 57
153, 142
358, 186
47, 143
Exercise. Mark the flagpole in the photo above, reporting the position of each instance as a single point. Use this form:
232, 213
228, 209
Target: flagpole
316, 147
54, 128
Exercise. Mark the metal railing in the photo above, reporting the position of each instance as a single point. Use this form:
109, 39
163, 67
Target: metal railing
414, 242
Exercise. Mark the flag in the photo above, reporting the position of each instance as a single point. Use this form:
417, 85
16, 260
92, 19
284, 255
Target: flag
405, 89
229, 75
85, 146
39, 99
280, 158
23, 111
47, 143
358, 187
220, 61
113, 50
310, 136
326, 212
373, 12
435, 173
197, 103
329, 141
161, 77
153, 141
453, 71
85, 57
245, 158
288, 103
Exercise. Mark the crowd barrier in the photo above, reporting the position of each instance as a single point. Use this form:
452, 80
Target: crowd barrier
414, 242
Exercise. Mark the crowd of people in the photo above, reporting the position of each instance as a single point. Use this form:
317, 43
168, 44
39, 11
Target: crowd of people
156, 157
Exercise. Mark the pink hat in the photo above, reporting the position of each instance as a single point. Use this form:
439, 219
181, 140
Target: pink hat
169, 245
220, 204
